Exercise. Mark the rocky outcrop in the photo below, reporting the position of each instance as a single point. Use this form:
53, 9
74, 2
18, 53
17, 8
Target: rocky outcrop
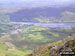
68, 46
55, 49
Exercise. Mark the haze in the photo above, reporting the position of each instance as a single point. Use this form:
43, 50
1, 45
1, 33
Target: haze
37, 3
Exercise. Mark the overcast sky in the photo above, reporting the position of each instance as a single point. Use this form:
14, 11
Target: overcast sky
38, 1
41, 2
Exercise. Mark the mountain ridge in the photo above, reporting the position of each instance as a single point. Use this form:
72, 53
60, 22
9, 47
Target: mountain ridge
53, 49
30, 15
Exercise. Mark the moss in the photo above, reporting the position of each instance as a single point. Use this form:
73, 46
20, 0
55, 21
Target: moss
46, 54
71, 42
73, 48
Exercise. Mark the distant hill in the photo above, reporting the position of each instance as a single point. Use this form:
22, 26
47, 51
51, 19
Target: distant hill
29, 15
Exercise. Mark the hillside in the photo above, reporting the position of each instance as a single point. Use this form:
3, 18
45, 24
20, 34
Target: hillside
53, 49
24, 39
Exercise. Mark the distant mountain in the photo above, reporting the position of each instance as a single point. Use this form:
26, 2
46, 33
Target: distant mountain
29, 15
27, 11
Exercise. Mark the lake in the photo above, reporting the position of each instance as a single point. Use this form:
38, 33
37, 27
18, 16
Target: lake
53, 25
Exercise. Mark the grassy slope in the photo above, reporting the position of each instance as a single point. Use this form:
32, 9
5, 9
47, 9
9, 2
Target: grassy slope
45, 51
4, 51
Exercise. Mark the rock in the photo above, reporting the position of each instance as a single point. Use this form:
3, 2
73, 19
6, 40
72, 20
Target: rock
67, 46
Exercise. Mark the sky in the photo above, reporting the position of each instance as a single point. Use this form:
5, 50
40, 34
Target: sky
38, 3
56, 1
